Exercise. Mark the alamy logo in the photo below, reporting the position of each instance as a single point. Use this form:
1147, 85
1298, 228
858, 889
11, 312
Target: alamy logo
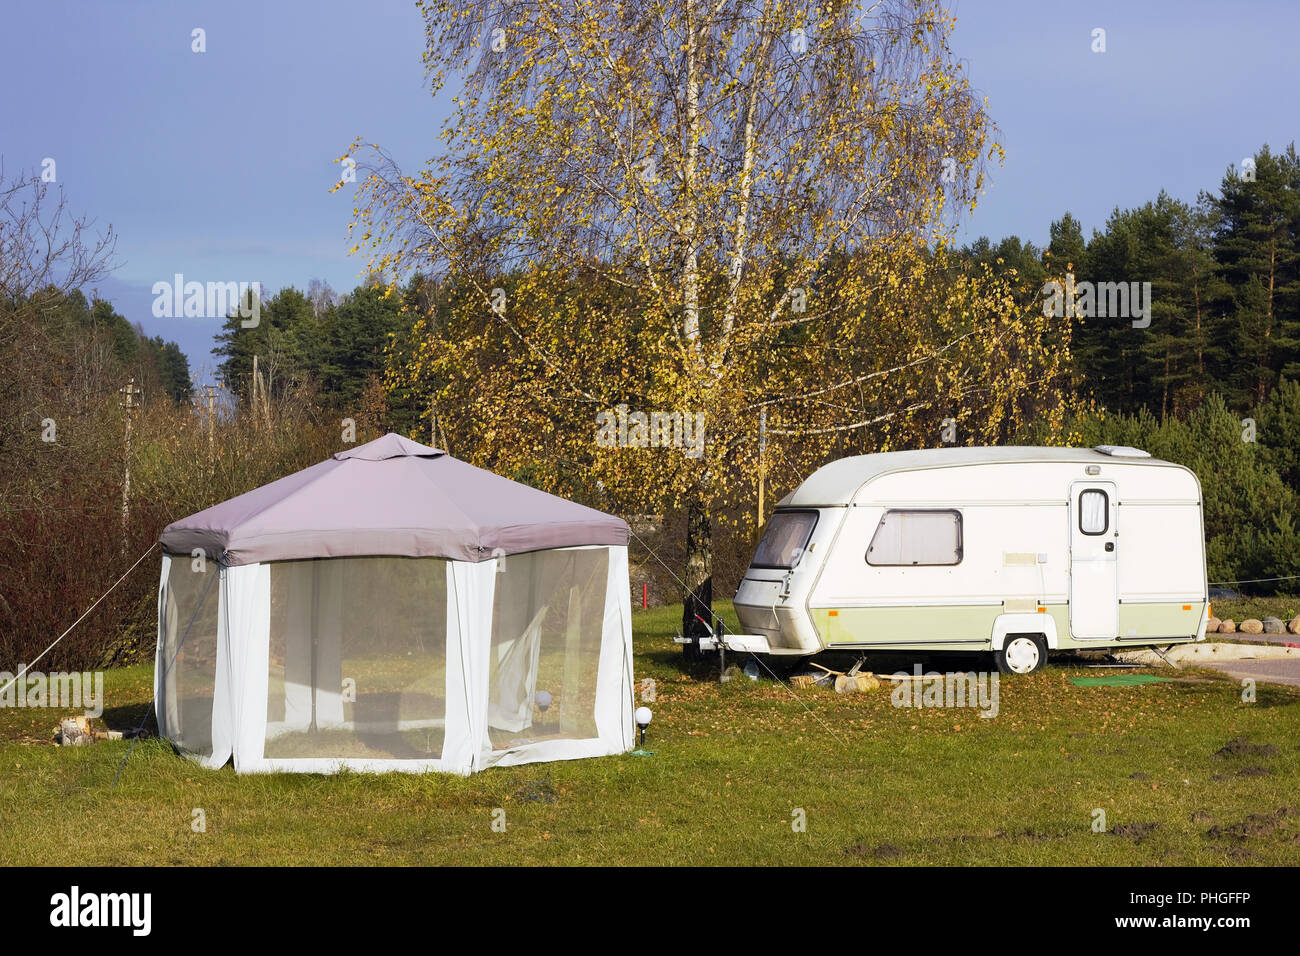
978, 690
179, 299
619, 428
58, 690
1086, 300
134, 910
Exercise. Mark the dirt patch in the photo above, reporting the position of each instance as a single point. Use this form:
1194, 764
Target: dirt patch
1255, 825
1139, 776
1137, 832
1255, 771
537, 791
1200, 816
885, 851
1033, 836
1242, 747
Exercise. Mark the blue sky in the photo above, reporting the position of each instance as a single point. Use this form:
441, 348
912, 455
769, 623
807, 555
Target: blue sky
218, 165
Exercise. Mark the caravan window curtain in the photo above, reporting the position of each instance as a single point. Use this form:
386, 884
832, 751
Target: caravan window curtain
1094, 512
916, 538
786, 533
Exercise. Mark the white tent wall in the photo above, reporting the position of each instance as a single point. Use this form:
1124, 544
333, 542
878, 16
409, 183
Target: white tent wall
471, 588
164, 694
247, 591
292, 634
615, 693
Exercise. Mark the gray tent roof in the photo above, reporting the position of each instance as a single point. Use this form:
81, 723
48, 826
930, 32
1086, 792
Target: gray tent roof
391, 496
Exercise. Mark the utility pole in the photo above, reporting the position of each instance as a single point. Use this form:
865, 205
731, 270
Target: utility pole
434, 431
259, 385
212, 420
256, 378
129, 401
762, 467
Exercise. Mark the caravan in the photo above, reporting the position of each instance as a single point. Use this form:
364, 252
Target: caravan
1014, 551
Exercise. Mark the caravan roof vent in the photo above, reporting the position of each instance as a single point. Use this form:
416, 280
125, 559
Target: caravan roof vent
1121, 451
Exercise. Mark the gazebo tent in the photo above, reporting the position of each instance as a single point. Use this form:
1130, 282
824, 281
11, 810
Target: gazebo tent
393, 608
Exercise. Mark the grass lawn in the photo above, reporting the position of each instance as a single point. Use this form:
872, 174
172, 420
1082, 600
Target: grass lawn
734, 765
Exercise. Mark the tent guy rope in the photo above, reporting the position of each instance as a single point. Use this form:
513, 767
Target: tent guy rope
755, 657
27, 667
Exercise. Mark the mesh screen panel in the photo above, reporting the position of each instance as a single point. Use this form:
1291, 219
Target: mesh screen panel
547, 621
189, 657
358, 655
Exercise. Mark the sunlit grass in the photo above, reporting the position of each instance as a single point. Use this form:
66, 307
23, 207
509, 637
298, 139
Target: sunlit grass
734, 766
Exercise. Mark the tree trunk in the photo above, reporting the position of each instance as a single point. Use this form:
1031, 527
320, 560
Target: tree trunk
691, 263
1200, 342
1264, 375
697, 601
1164, 397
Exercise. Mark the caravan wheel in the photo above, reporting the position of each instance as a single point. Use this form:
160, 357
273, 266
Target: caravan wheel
1021, 654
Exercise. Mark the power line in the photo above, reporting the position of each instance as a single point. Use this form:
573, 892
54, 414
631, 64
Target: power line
1289, 577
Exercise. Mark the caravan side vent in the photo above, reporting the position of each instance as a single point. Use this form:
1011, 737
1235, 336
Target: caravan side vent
1121, 451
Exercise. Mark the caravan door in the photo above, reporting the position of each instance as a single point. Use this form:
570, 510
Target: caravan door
1094, 582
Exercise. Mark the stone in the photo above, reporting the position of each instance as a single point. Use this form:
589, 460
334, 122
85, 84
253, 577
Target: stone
1252, 626
1228, 627
1273, 626
1294, 626
1213, 626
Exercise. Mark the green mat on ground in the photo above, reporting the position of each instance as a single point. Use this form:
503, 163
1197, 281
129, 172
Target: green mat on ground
1118, 680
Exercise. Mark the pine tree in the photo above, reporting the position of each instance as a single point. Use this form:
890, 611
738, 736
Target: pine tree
1257, 247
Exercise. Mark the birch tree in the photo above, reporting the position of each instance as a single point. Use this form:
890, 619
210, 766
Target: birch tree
732, 208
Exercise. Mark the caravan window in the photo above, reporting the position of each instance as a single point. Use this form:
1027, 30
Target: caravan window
916, 538
1094, 512
787, 532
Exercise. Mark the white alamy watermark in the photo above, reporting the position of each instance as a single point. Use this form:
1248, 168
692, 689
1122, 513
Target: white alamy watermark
1102, 300
58, 690
973, 689
620, 428
179, 299
75, 908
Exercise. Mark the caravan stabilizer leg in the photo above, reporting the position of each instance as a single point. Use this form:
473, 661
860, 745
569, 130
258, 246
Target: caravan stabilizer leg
1161, 654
